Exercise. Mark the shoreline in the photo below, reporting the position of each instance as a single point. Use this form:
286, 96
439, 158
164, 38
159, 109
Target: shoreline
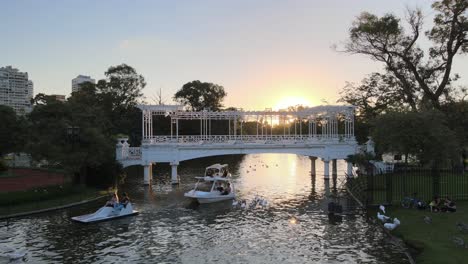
50, 209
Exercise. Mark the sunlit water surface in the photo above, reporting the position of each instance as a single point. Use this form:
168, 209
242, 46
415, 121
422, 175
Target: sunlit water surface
293, 228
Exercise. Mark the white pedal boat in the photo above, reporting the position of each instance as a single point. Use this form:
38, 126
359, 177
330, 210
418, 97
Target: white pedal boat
106, 213
207, 189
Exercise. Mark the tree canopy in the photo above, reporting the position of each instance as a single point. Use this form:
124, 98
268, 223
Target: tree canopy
422, 134
418, 76
122, 87
201, 95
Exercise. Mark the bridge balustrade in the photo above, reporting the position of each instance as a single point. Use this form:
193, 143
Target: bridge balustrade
244, 139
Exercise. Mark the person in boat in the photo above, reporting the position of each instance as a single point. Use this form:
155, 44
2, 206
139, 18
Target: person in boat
114, 201
125, 200
227, 190
219, 187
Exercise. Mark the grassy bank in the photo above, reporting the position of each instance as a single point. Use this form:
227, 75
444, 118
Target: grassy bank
433, 242
43, 198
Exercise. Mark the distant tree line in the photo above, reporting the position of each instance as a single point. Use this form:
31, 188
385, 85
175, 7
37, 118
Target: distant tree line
79, 135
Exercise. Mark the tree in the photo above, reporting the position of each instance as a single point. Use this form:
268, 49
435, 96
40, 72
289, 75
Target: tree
118, 96
376, 94
420, 77
123, 86
201, 95
71, 134
422, 134
11, 131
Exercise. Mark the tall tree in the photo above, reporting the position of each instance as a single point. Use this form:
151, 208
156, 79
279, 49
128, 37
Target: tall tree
123, 86
200, 95
421, 76
119, 95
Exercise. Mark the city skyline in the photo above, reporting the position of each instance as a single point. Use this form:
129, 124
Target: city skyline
277, 53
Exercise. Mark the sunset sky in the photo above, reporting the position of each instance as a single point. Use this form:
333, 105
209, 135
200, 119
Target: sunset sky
265, 53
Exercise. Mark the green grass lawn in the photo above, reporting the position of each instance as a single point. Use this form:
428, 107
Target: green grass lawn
43, 198
433, 241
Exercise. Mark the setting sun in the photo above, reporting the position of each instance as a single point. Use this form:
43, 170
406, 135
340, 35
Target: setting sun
285, 102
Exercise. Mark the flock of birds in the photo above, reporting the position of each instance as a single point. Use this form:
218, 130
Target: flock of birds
253, 168
389, 225
257, 201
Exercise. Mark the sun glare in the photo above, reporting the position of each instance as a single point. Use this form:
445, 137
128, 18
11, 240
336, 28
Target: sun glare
286, 102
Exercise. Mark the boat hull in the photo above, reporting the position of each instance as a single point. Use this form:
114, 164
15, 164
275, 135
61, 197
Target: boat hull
106, 213
209, 197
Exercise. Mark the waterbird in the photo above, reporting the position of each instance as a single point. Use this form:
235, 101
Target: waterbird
382, 208
427, 219
243, 204
391, 226
382, 217
462, 227
458, 241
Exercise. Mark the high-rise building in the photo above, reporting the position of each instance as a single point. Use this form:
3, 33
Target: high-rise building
16, 90
79, 80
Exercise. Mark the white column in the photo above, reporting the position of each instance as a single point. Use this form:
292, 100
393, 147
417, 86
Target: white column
150, 119
326, 169
334, 168
350, 170
313, 171
174, 176
147, 174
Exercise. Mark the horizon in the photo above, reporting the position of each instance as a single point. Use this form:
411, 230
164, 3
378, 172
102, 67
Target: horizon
266, 54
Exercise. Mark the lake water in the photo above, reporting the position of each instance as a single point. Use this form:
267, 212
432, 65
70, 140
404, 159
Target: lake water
293, 228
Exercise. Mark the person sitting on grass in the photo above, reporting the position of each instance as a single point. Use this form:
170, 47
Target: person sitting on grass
435, 204
449, 205
114, 201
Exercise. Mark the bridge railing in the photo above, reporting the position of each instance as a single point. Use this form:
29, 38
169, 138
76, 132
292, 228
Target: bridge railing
134, 153
244, 139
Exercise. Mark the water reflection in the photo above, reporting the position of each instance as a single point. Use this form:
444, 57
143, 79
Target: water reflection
293, 228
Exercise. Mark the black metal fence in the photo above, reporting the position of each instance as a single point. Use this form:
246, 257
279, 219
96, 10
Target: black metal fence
421, 183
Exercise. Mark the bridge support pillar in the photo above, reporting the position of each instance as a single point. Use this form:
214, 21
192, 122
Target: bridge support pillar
312, 166
147, 174
326, 169
334, 168
349, 170
174, 176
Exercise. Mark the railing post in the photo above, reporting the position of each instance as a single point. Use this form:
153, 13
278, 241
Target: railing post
389, 187
435, 181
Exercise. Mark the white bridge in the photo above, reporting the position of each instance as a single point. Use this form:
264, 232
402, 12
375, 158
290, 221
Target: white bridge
325, 132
